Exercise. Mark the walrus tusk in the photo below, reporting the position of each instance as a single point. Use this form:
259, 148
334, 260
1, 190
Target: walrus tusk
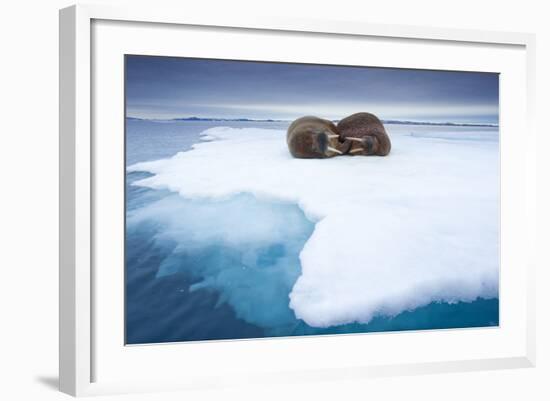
333, 136
354, 139
334, 150
356, 150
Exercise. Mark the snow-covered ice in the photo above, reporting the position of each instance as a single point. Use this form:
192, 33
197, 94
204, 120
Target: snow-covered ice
392, 233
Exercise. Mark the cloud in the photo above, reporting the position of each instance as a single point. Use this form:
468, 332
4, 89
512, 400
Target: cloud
339, 110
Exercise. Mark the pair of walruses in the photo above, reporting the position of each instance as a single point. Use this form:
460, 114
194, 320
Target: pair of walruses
358, 134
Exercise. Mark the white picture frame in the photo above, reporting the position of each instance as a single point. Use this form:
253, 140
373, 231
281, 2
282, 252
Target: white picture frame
79, 224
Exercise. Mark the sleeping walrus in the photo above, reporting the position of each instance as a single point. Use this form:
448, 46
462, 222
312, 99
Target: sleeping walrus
366, 133
313, 137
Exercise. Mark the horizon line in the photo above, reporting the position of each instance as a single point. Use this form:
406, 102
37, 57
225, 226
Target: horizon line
245, 119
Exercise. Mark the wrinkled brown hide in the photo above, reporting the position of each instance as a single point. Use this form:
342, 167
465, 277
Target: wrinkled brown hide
313, 137
366, 133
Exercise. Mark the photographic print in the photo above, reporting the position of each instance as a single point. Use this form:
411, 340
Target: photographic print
269, 199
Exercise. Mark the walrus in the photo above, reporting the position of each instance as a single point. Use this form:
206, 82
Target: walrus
366, 133
313, 137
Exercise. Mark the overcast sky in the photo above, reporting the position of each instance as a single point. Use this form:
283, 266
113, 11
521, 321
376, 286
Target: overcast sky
169, 87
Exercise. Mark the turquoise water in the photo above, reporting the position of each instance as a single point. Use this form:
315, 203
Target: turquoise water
223, 269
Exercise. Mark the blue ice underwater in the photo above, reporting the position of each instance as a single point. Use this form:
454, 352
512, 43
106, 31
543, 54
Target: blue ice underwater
224, 268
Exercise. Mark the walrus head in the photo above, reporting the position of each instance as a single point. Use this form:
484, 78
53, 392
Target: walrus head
366, 146
312, 137
312, 143
328, 144
367, 134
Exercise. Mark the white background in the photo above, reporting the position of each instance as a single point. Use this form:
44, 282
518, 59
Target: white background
28, 219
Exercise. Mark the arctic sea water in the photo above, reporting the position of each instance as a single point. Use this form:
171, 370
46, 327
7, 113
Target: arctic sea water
223, 268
